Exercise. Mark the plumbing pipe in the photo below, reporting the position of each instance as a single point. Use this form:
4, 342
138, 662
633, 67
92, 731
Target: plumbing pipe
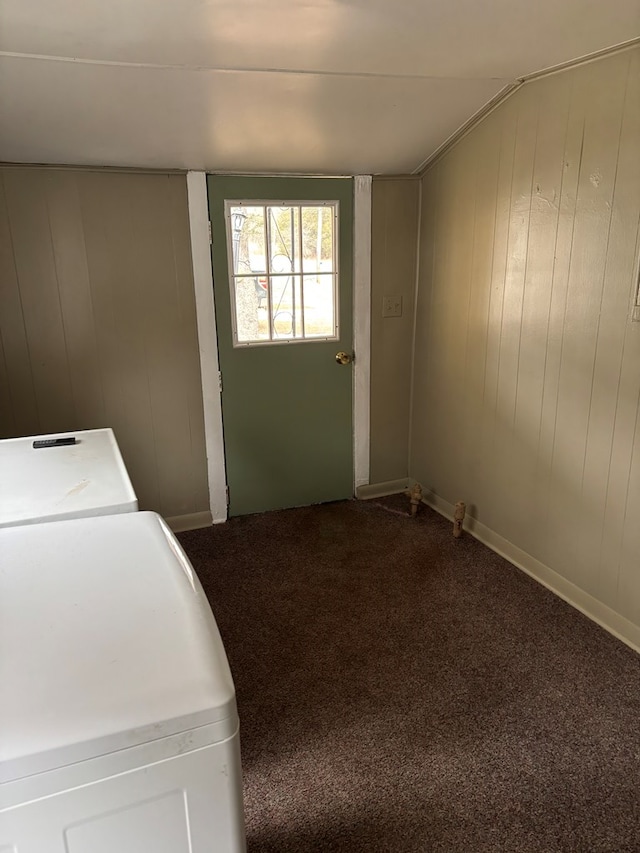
415, 495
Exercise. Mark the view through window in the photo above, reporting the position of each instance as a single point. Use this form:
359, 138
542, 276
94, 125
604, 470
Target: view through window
283, 270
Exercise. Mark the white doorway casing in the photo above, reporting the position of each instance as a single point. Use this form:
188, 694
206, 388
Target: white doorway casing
361, 327
208, 342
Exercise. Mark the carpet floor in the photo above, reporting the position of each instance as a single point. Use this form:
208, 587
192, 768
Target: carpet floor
400, 690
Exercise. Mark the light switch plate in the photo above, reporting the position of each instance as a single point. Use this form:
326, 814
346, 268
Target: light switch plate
392, 306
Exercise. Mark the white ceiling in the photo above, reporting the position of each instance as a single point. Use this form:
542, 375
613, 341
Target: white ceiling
312, 86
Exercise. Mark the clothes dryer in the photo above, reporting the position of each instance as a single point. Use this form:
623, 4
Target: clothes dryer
118, 720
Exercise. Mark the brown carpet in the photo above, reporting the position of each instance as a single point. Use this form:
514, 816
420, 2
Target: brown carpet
400, 690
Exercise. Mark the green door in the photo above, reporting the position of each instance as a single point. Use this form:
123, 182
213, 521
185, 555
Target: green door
282, 269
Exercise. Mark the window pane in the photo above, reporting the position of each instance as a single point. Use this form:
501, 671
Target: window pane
247, 239
252, 323
282, 307
319, 315
283, 227
297, 257
271, 246
317, 238
297, 307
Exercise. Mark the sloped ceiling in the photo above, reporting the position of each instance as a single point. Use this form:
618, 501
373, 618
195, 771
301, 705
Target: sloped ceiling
320, 86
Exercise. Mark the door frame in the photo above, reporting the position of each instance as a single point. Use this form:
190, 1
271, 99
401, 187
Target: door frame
208, 336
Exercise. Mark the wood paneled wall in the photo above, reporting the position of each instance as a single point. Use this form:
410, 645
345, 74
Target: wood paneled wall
394, 232
527, 363
98, 324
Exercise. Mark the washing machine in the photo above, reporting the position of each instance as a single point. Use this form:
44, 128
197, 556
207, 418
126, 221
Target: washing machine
64, 475
118, 720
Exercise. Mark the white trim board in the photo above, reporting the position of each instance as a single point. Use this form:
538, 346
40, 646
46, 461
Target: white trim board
361, 327
600, 613
207, 342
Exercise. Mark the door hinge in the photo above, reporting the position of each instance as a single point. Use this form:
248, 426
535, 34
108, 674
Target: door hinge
226, 492
220, 382
210, 234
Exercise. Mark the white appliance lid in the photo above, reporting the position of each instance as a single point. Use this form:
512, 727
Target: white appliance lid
63, 482
107, 640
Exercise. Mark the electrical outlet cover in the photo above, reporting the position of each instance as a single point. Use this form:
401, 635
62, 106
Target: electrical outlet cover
392, 306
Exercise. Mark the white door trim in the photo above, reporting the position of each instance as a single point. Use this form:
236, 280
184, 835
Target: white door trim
207, 342
361, 327
208, 337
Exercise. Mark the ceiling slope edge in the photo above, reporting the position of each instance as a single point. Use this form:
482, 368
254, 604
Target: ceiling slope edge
509, 90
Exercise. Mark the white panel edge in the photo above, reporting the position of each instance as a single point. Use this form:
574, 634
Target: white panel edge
361, 327
612, 622
207, 343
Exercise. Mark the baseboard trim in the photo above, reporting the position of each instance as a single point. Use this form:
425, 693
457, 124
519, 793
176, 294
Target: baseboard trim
380, 490
191, 521
600, 613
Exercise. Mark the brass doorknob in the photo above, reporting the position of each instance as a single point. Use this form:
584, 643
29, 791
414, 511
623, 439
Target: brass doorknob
344, 358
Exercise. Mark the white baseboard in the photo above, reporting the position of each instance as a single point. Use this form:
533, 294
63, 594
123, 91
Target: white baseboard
380, 490
191, 521
595, 610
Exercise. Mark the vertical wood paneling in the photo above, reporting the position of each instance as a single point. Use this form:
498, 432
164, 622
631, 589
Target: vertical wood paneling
163, 338
610, 344
621, 533
102, 288
121, 315
549, 457
422, 403
427, 428
7, 420
546, 193
100, 273
548, 517
72, 274
394, 231
459, 269
504, 126
151, 336
511, 444
447, 350
606, 85
477, 319
39, 296
18, 404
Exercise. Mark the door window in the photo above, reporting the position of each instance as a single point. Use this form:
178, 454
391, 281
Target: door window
283, 271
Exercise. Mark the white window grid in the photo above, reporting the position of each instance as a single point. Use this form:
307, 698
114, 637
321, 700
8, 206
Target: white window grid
333, 205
